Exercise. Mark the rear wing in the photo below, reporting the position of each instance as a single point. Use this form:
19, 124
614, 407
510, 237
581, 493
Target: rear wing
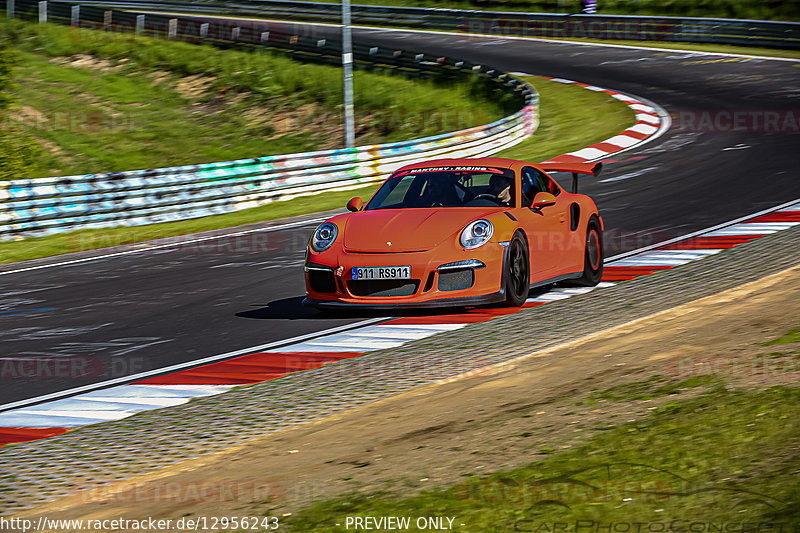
575, 168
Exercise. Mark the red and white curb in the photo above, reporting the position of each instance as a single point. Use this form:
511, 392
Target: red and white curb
652, 121
114, 403
51, 418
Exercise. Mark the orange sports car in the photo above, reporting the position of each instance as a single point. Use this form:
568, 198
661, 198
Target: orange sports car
457, 232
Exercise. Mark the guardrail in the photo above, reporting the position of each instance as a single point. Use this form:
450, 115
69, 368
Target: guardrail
43, 206
547, 25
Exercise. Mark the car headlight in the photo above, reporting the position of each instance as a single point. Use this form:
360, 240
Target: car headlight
324, 236
476, 234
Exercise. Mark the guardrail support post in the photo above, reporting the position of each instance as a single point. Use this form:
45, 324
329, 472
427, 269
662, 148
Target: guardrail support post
42, 11
10, 9
172, 31
139, 24
347, 67
235, 33
204, 30
75, 16
107, 20
264, 37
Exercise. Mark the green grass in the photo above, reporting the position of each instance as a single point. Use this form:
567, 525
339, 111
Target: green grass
564, 110
148, 103
728, 456
793, 335
651, 388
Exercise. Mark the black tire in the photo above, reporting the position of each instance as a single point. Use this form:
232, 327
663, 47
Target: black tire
517, 272
592, 256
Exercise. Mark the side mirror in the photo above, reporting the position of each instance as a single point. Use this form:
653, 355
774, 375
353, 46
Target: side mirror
542, 200
355, 204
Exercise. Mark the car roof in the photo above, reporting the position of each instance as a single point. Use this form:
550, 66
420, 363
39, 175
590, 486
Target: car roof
478, 161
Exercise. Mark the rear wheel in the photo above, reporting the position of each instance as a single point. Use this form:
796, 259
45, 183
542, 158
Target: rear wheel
592, 256
517, 272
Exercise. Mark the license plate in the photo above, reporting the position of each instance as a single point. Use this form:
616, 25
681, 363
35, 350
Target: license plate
387, 272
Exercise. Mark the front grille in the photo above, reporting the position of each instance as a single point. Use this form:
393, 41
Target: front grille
456, 280
382, 287
321, 281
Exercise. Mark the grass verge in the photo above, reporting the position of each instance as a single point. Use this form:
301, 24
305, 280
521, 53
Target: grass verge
724, 457
100, 102
564, 111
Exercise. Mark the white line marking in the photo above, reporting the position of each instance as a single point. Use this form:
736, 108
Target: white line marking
589, 153
642, 107
157, 391
701, 232
28, 420
736, 147
189, 364
741, 232
643, 128
438, 327
628, 175
534, 39
145, 401
622, 140
549, 297
647, 118
94, 415
148, 248
633, 261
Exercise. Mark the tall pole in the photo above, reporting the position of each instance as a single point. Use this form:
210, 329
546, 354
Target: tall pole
347, 64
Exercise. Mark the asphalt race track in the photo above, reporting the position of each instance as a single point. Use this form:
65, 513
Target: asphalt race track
125, 314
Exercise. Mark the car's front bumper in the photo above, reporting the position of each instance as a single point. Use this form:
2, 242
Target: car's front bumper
464, 301
429, 276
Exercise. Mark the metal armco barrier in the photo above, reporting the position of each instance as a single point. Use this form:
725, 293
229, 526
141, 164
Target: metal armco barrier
547, 25
44, 206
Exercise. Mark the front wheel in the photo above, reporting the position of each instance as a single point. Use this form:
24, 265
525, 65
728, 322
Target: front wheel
592, 256
517, 272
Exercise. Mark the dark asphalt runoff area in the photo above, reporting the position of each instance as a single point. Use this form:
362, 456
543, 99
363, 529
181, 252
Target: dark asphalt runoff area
125, 314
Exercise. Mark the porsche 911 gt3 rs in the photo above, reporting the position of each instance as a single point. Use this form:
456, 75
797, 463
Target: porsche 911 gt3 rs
457, 232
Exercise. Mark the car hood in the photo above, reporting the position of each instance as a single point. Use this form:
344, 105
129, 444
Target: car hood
408, 230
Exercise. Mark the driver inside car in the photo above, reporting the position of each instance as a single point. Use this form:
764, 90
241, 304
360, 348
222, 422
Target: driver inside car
500, 186
440, 192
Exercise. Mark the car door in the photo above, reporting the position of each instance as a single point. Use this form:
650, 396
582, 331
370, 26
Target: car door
546, 228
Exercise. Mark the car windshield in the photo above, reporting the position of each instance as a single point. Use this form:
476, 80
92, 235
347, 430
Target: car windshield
446, 187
